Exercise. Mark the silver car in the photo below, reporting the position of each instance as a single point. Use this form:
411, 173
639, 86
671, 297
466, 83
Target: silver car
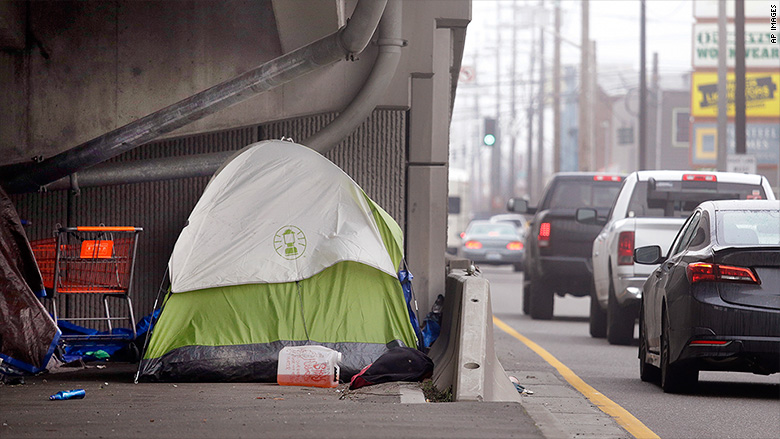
494, 243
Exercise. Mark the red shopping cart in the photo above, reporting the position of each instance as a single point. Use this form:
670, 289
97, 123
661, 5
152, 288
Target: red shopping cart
94, 260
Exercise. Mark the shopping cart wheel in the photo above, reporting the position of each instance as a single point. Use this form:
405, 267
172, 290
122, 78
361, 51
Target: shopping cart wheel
134, 354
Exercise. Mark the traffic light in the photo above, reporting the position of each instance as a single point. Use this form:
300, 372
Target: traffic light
490, 134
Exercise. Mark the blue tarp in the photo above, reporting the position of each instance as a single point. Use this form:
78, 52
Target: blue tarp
91, 344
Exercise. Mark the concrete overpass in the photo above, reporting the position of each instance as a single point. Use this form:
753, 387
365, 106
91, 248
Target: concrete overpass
85, 76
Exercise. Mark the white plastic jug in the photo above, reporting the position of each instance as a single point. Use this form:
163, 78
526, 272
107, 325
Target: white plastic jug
313, 366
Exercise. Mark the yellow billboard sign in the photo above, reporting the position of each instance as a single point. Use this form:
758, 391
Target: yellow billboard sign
762, 94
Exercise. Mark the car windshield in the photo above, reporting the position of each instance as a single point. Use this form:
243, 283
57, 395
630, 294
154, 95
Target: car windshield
748, 227
492, 229
513, 221
674, 199
571, 194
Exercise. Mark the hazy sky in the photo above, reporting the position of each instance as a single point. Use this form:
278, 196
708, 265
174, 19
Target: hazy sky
614, 25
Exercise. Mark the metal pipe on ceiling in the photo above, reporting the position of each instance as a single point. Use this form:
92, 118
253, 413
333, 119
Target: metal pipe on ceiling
201, 165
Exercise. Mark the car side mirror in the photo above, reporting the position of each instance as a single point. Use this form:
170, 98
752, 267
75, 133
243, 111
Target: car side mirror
519, 205
649, 255
587, 215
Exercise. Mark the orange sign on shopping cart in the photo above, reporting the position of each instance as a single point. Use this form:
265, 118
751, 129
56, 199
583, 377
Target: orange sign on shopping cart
97, 249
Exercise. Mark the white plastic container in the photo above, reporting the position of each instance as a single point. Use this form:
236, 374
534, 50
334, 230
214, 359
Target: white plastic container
313, 366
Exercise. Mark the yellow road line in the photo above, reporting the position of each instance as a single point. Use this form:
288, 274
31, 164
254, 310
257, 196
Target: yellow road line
618, 413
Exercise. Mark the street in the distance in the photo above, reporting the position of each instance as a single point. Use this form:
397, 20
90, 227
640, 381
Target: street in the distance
724, 405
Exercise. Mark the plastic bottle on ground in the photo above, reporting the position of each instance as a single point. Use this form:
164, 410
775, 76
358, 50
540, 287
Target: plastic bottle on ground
68, 394
313, 366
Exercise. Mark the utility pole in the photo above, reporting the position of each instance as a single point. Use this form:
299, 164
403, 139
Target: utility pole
739, 77
642, 92
722, 95
583, 134
592, 88
529, 152
513, 94
654, 103
478, 173
557, 90
541, 106
495, 173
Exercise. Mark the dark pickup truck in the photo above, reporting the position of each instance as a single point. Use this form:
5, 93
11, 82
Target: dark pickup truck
557, 247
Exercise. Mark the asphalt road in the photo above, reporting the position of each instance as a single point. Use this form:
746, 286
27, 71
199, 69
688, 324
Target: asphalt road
725, 405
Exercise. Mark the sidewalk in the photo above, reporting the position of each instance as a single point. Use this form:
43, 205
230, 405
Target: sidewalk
114, 407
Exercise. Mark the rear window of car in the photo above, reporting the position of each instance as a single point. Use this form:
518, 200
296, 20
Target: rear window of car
748, 227
492, 229
571, 194
674, 199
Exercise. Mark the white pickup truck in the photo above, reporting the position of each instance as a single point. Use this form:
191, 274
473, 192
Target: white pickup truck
649, 210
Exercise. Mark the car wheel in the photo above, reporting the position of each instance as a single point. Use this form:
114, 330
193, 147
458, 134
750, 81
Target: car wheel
647, 372
527, 298
541, 302
675, 378
598, 317
620, 320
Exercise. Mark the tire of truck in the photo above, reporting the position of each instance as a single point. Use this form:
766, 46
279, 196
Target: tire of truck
541, 302
598, 317
620, 320
527, 298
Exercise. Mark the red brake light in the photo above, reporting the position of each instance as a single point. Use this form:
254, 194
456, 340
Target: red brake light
709, 342
515, 245
699, 177
704, 272
607, 178
543, 240
626, 248
474, 245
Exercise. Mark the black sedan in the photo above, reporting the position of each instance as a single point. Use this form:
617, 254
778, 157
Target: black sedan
495, 243
714, 302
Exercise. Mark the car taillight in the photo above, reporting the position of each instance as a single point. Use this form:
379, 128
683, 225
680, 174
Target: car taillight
543, 240
626, 248
607, 178
473, 245
704, 272
699, 177
515, 245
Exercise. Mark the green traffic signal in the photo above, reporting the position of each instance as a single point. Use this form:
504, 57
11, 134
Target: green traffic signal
489, 131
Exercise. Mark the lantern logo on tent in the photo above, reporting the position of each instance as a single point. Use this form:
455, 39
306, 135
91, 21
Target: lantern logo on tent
290, 242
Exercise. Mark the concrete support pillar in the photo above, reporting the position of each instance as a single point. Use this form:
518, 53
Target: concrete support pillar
426, 211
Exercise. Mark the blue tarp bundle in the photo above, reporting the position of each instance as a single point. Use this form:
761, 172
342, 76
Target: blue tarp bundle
92, 345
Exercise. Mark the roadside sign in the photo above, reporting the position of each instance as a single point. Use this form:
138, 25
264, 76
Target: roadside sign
708, 9
762, 94
467, 74
761, 141
742, 163
760, 52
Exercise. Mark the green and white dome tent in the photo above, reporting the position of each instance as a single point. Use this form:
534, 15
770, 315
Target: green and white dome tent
282, 249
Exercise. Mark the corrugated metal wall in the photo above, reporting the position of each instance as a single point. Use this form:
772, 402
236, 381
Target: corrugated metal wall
374, 156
